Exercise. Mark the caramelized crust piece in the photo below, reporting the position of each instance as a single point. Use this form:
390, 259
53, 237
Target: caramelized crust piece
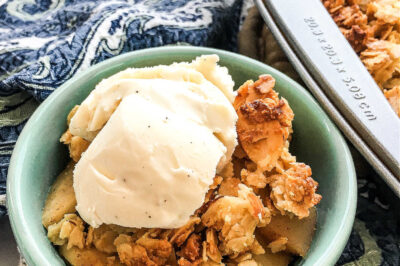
294, 190
356, 36
180, 235
235, 219
264, 122
157, 250
212, 250
191, 251
229, 187
146, 251
76, 145
134, 255
349, 16
393, 96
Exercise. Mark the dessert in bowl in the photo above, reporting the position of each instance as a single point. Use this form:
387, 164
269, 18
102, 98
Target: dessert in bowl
227, 200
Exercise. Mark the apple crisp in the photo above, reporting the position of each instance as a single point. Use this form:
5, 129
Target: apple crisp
372, 27
259, 210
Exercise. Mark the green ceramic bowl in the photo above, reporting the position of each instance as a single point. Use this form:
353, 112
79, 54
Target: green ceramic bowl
38, 156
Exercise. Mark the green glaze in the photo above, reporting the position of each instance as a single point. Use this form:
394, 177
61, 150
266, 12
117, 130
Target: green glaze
38, 156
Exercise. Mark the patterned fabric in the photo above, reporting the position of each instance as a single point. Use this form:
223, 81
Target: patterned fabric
375, 238
44, 43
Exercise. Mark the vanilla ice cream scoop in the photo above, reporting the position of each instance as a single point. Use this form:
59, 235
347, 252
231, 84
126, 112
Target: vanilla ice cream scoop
159, 136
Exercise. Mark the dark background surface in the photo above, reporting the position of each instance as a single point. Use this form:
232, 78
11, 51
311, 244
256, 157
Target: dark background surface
8, 248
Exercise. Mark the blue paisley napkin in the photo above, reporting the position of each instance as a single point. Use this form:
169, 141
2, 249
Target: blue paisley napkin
45, 43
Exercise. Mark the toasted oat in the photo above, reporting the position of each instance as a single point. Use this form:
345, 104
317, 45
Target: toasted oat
68, 230
191, 251
212, 250
235, 219
181, 234
76, 145
294, 190
393, 96
229, 187
264, 122
278, 245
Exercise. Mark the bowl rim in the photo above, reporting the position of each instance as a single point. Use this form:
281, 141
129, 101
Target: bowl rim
20, 226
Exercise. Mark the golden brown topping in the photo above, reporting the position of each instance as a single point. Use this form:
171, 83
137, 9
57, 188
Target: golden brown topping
248, 263
227, 172
386, 10
357, 37
259, 111
294, 190
349, 16
76, 145
157, 250
235, 219
382, 59
264, 84
242, 257
393, 96
217, 181
373, 29
229, 187
68, 230
192, 248
255, 179
211, 244
264, 124
185, 262
133, 255
145, 251
66, 137
181, 234
333, 5
257, 248
278, 244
